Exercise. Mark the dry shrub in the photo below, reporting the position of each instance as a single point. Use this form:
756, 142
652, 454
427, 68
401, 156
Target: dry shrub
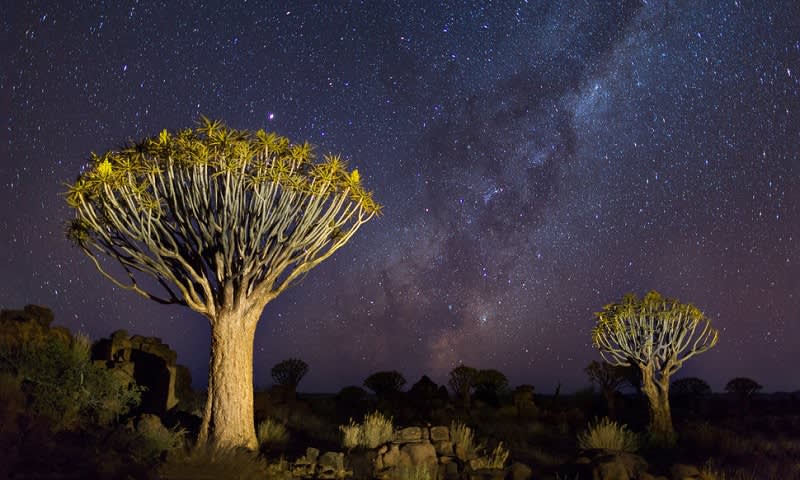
207, 462
609, 435
374, 431
463, 439
272, 432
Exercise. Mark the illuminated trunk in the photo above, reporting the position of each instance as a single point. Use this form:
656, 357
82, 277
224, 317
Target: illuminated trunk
228, 420
657, 392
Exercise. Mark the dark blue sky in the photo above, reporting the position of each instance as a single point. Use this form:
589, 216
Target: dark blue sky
536, 161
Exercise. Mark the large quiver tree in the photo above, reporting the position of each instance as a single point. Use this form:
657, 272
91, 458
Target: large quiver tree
223, 220
656, 334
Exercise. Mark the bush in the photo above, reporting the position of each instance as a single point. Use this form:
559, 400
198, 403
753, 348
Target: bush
153, 438
609, 435
62, 385
271, 432
496, 460
464, 441
374, 431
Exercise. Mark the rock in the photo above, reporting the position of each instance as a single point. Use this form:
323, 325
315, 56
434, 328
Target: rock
611, 465
330, 465
154, 367
410, 434
519, 471
421, 453
681, 471
392, 457
29, 325
440, 434
443, 447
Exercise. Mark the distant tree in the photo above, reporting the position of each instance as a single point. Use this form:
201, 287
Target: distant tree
386, 383
743, 387
425, 390
489, 385
656, 334
288, 374
609, 378
689, 387
222, 221
462, 381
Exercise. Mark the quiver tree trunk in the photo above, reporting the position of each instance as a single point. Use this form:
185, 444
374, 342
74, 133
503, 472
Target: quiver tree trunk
657, 392
229, 419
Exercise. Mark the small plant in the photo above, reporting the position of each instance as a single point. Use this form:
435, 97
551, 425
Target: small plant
351, 434
271, 432
374, 431
154, 438
609, 435
464, 441
414, 472
377, 429
495, 461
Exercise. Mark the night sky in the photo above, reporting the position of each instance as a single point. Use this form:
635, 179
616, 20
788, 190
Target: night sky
536, 161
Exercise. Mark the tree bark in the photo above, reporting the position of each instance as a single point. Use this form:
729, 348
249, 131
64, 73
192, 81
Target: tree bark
228, 420
657, 393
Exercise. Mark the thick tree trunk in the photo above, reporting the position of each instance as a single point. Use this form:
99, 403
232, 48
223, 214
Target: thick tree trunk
228, 420
657, 393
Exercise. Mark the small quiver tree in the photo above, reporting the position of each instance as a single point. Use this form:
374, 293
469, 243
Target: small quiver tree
744, 388
386, 384
610, 378
656, 334
222, 221
489, 385
462, 381
287, 374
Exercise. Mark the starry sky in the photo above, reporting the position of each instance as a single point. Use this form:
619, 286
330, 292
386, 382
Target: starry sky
536, 160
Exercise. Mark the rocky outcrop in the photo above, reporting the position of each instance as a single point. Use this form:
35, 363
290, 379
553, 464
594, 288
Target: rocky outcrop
151, 363
27, 326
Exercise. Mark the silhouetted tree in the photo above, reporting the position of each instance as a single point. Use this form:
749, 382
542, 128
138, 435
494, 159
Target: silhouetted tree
462, 381
288, 374
657, 334
689, 387
385, 384
489, 385
222, 221
609, 378
742, 386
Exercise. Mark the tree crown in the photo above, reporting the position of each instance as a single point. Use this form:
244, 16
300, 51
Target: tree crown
218, 213
653, 331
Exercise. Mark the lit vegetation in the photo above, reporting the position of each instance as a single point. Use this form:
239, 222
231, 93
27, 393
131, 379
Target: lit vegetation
608, 435
375, 430
224, 221
271, 432
657, 335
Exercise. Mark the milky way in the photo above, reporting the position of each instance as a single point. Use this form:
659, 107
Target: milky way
536, 160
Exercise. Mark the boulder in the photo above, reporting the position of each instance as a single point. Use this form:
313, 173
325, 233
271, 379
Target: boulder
410, 434
421, 453
440, 434
392, 457
154, 366
443, 447
330, 465
29, 325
